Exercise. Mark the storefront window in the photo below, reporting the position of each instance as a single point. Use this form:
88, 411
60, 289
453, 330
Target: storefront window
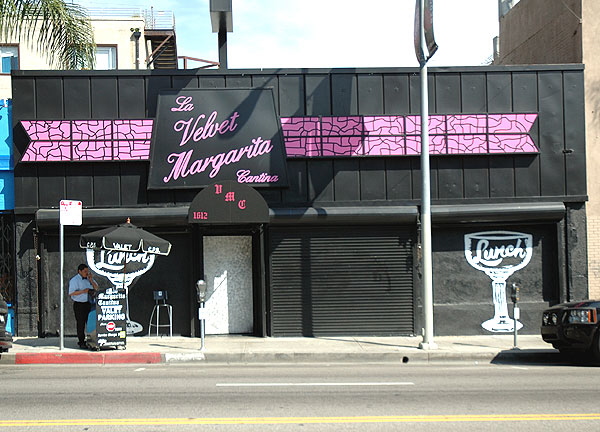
10, 58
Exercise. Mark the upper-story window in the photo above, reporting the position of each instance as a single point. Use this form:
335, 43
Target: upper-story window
9, 54
106, 57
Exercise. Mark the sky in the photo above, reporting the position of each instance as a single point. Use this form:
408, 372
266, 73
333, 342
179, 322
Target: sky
329, 33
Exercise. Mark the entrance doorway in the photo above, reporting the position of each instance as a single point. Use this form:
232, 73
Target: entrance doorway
228, 270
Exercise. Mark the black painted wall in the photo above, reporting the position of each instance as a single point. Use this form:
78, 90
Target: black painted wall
463, 295
557, 174
556, 92
169, 273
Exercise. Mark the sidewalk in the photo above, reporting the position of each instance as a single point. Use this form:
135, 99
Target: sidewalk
248, 349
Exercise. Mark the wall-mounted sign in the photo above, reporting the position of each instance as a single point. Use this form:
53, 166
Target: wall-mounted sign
206, 135
228, 202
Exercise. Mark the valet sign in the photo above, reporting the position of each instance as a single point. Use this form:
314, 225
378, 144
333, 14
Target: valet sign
202, 136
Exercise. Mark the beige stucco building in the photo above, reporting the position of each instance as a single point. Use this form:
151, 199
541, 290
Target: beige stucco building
564, 31
118, 47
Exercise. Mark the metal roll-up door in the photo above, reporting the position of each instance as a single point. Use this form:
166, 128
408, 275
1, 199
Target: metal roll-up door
341, 281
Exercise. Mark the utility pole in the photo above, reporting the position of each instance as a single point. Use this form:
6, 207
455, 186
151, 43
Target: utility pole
424, 41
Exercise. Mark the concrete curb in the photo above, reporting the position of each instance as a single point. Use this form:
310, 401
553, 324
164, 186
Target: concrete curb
418, 357
183, 357
6, 358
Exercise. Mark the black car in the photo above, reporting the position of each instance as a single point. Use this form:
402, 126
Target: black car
573, 327
5, 337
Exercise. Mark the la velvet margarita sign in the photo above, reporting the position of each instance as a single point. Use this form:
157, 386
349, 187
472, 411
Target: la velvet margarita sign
204, 135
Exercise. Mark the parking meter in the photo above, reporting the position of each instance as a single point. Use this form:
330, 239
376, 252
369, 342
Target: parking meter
201, 297
201, 290
515, 293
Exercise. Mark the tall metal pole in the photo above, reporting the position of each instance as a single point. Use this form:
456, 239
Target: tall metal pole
222, 47
61, 290
427, 342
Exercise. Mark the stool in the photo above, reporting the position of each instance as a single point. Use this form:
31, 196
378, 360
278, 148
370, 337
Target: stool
160, 301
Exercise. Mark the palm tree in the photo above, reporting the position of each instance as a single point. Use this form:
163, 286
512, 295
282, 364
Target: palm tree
60, 31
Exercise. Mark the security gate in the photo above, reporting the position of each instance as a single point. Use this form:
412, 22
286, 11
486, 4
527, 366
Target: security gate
341, 281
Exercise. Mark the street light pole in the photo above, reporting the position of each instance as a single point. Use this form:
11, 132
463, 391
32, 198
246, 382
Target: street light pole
426, 253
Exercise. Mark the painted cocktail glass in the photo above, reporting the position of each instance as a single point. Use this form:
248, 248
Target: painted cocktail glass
499, 254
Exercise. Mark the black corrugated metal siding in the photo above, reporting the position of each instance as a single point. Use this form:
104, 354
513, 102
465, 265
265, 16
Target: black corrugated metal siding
341, 281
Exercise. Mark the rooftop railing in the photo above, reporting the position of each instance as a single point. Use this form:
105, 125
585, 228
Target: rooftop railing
156, 20
153, 19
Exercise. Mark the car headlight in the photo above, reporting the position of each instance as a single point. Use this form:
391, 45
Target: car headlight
550, 318
584, 316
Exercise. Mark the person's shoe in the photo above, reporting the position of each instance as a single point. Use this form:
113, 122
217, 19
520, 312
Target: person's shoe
82, 345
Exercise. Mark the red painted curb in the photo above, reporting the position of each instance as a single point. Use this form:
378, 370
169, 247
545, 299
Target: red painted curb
86, 358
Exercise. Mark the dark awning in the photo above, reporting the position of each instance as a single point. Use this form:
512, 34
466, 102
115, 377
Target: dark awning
142, 216
505, 212
463, 213
344, 215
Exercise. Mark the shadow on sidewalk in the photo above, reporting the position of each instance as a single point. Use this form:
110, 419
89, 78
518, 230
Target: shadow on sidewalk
51, 342
537, 357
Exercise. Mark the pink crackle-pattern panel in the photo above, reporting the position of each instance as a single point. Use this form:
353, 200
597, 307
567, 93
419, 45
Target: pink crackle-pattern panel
120, 140
401, 135
88, 140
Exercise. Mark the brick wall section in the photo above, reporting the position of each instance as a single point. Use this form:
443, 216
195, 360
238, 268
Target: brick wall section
594, 256
541, 32
591, 57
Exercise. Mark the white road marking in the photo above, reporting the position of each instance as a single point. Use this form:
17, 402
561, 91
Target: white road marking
139, 369
315, 384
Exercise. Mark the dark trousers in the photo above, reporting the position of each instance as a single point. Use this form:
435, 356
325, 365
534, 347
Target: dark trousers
81, 310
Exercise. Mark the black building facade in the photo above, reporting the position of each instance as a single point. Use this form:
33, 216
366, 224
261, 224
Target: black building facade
340, 252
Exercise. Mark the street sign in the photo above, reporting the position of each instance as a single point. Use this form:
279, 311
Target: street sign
71, 212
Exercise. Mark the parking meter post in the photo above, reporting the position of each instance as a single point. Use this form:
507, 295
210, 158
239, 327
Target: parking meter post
201, 297
516, 346
202, 329
516, 311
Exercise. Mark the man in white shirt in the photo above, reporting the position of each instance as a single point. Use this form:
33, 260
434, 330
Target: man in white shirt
80, 286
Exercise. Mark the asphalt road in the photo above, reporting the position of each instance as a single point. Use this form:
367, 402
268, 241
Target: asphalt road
303, 397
